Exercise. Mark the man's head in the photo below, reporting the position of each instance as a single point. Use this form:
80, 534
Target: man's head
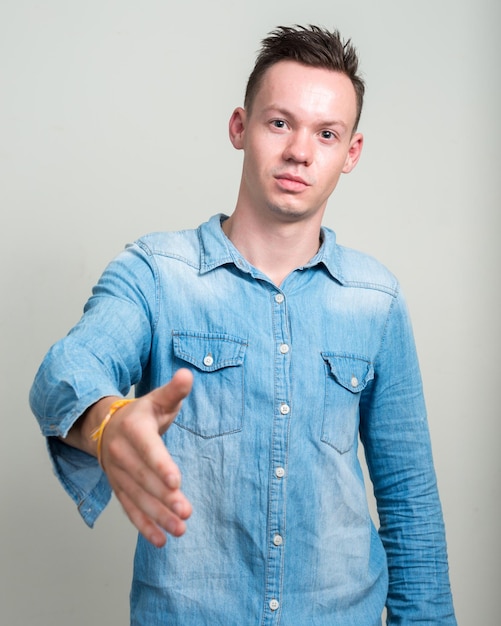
312, 46
297, 129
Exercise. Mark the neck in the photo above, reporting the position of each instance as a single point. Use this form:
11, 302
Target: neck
274, 249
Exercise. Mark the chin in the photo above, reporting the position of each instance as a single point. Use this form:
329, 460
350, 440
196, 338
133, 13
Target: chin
288, 213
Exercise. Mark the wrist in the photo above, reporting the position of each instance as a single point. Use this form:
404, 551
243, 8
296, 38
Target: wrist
96, 434
79, 435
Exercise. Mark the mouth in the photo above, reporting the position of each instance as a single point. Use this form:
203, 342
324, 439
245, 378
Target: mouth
289, 182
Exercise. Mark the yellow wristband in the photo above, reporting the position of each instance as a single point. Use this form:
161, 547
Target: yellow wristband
97, 434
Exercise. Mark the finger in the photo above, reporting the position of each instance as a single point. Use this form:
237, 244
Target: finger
147, 513
145, 525
139, 464
146, 477
133, 441
168, 398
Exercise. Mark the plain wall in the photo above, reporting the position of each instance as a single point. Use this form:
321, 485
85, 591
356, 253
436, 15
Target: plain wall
113, 123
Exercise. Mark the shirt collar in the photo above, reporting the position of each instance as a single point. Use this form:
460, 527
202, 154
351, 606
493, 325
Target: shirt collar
217, 249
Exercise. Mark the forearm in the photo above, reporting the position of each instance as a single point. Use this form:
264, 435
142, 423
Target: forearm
412, 528
79, 435
412, 531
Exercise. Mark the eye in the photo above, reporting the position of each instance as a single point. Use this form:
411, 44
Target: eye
278, 124
327, 134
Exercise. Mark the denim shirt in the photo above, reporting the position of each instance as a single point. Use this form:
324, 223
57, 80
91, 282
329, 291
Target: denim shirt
285, 381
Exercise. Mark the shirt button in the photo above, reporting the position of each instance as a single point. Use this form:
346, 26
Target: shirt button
280, 472
274, 604
278, 540
208, 360
354, 381
279, 298
284, 409
284, 348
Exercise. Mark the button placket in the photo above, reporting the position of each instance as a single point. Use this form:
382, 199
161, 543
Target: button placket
279, 447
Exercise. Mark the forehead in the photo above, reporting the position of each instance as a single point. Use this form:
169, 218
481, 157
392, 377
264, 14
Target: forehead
307, 91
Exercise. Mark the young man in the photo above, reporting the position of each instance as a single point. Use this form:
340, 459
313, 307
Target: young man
281, 347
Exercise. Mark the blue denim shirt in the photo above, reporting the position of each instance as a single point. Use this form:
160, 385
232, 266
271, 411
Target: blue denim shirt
285, 380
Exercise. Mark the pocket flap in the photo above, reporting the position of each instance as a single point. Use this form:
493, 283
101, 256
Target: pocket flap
209, 351
352, 372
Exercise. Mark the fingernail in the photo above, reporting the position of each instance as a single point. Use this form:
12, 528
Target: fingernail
178, 509
157, 539
172, 481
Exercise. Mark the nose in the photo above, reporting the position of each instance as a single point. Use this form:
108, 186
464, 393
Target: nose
299, 147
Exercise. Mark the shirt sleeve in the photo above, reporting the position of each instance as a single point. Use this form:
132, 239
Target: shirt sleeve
395, 434
103, 355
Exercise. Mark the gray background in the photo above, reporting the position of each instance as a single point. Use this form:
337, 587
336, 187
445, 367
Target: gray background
113, 122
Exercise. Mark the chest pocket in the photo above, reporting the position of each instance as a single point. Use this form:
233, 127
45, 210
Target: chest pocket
346, 377
215, 405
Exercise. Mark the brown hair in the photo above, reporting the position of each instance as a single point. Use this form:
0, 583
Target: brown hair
309, 45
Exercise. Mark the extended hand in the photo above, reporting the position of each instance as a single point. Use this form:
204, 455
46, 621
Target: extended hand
139, 467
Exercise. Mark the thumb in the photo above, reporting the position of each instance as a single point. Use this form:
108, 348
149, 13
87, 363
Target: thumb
168, 398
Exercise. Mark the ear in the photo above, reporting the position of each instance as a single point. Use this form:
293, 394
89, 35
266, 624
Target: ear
236, 128
354, 152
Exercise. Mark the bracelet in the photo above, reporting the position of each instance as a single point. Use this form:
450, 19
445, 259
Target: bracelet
97, 434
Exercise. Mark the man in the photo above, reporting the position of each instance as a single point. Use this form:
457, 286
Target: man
281, 347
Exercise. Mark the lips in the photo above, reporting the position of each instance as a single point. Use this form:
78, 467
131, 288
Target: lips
290, 182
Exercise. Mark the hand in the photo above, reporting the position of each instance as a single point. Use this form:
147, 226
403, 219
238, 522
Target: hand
139, 467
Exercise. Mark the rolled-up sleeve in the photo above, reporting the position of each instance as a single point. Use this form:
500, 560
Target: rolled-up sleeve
103, 355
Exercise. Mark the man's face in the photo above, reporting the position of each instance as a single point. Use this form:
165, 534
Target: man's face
297, 139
